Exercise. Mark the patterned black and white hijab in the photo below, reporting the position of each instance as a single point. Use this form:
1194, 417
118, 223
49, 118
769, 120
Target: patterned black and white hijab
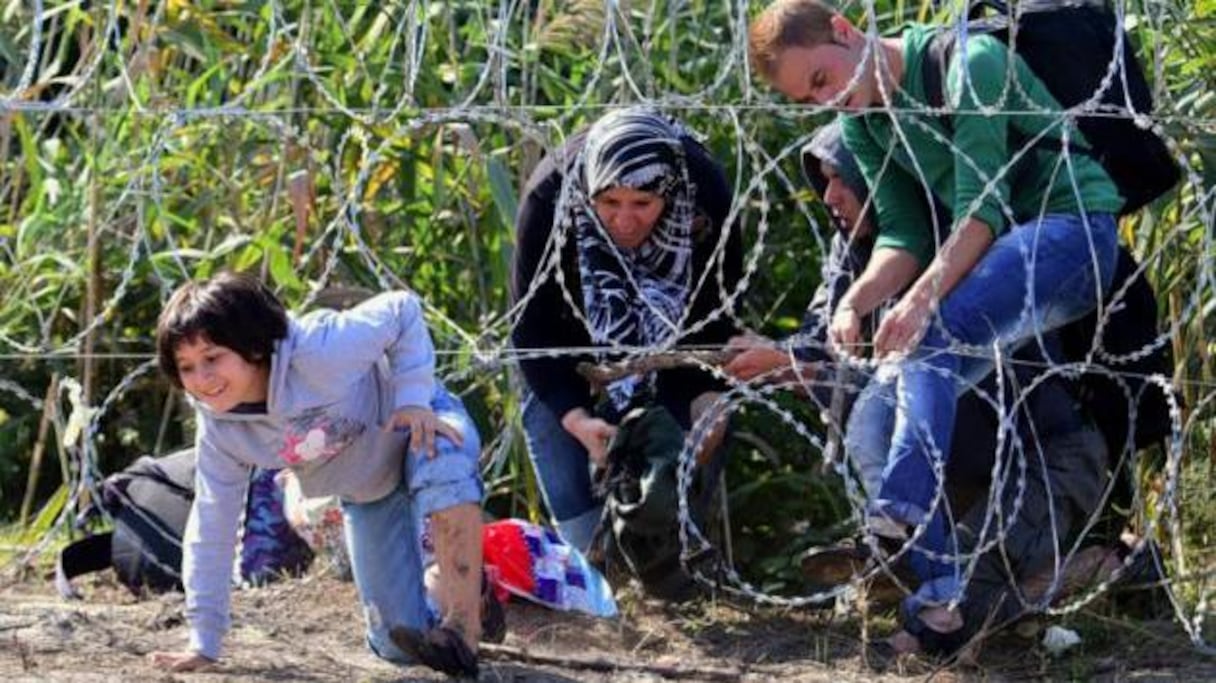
634, 297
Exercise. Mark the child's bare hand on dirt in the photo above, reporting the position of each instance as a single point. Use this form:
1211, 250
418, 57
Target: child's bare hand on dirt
180, 661
423, 425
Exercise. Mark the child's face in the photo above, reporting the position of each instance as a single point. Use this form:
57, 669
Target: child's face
219, 376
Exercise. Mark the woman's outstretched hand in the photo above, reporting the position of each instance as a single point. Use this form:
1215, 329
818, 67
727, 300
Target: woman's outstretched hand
756, 356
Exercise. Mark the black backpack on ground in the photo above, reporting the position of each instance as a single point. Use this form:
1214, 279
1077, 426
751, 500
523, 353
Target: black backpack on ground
149, 503
1129, 331
1070, 46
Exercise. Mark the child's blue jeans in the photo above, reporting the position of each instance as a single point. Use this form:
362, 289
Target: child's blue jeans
384, 536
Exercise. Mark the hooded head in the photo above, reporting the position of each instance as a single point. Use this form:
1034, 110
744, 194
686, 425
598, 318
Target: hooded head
633, 217
827, 148
632, 168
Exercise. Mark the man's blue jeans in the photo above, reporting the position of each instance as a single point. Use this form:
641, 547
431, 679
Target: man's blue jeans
1037, 277
868, 434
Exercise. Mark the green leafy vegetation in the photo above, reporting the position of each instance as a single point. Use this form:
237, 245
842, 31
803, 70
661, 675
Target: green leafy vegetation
385, 144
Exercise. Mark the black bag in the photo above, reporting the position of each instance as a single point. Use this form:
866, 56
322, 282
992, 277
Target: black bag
641, 501
1069, 45
1130, 327
149, 503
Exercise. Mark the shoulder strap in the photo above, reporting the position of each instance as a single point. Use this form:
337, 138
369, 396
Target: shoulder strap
937, 57
941, 47
933, 69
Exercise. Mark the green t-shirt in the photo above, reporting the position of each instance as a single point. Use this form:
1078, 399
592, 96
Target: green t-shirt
984, 165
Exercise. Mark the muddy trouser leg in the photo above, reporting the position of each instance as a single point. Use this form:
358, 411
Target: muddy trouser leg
384, 536
446, 490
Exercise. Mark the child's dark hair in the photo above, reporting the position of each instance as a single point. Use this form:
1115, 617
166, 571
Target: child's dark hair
230, 309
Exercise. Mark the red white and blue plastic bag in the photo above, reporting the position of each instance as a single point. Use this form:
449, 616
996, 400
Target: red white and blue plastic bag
533, 562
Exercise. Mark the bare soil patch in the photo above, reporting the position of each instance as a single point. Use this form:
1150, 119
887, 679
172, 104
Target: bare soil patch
310, 630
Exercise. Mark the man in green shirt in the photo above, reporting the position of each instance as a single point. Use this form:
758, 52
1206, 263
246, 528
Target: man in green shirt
1032, 242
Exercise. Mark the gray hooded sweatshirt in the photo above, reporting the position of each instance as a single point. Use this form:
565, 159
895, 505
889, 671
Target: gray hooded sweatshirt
334, 381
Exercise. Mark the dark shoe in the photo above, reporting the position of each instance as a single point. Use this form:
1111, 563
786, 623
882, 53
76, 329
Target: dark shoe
932, 641
439, 648
879, 656
1140, 586
493, 617
835, 564
846, 561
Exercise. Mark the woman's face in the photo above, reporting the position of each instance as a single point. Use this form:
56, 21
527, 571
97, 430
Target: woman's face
628, 214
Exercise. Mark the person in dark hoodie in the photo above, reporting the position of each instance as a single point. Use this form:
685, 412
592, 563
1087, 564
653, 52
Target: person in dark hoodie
834, 175
350, 403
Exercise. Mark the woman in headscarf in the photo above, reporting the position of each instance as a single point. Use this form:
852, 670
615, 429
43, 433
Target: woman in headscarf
619, 246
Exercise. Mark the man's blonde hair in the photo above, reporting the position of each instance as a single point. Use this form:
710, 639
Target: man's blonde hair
785, 24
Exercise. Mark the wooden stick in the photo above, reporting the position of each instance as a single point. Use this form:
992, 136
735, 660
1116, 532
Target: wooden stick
605, 373
300, 192
93, 264
604, 664
165, 415
31, 482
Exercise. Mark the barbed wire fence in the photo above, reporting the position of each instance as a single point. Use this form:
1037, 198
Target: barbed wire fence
312, 113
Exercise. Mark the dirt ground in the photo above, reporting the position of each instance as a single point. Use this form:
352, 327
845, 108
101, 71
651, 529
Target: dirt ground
310, 630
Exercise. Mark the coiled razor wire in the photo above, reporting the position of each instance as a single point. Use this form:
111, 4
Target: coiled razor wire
502, 97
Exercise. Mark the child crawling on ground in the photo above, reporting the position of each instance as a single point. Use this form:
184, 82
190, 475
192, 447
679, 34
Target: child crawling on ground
349, 401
